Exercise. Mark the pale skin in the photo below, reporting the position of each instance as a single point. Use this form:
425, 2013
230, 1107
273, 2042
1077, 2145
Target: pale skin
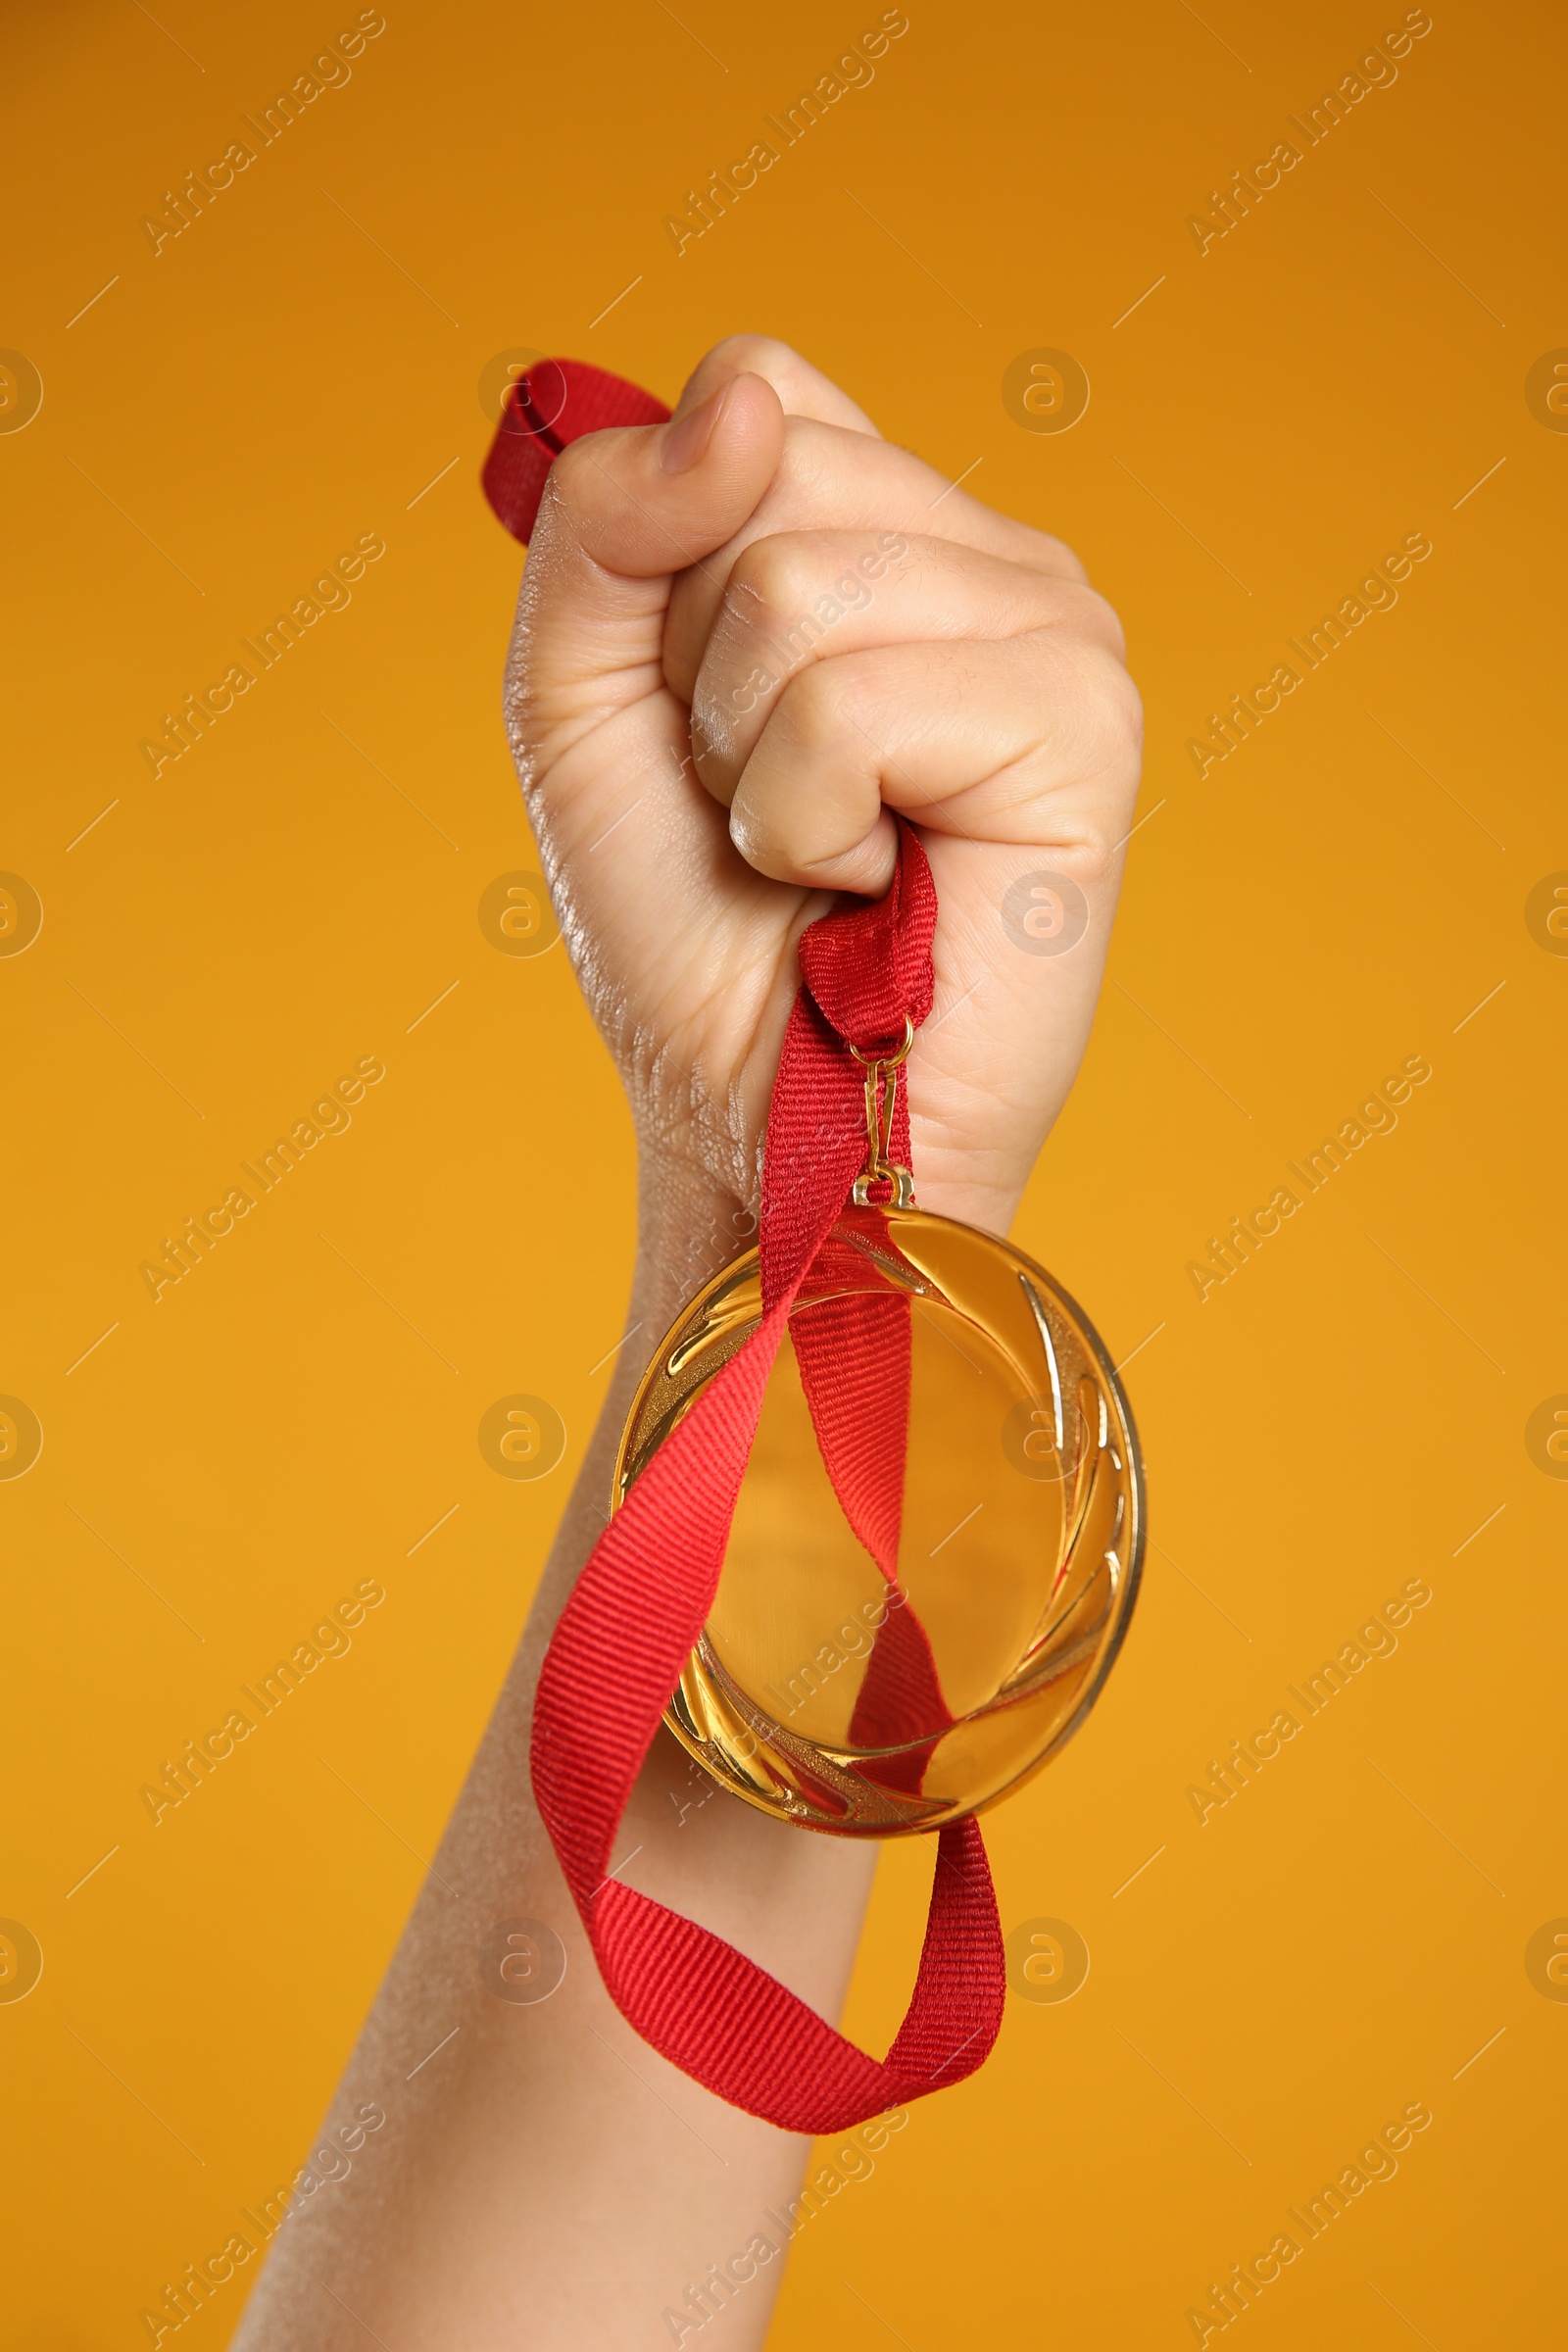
701, 777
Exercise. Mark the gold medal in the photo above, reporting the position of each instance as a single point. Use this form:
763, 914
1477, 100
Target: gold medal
1018, 1560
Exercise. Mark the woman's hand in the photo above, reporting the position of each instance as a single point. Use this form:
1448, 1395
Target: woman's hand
742, 638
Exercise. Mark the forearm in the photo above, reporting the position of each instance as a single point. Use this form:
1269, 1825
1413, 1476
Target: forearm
540, 2175
545, 2168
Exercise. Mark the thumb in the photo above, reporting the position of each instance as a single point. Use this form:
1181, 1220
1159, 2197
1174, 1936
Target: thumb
624, 512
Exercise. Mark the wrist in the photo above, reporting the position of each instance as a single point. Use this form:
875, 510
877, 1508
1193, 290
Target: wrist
689, 1226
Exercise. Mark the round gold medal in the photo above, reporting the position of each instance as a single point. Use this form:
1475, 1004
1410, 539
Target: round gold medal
825, 1689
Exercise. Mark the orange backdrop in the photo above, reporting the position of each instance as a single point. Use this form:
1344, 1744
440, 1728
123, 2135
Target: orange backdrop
1309, 341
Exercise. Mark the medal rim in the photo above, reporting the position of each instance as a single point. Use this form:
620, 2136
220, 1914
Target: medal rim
750, 1259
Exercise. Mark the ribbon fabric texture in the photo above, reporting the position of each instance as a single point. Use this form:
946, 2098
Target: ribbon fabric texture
558, 401
643, 1595
642, 1601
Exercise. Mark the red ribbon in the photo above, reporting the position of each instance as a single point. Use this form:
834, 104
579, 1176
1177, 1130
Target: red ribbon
558, 401
644, 1597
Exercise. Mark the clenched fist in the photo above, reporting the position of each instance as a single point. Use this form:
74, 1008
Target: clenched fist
743, 639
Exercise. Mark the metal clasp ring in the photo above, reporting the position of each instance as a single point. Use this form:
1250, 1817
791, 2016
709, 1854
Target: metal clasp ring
881, 1096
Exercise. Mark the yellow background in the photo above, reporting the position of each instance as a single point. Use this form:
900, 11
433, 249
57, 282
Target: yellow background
298, 889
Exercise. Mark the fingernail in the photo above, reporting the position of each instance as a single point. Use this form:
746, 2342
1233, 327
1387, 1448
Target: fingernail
686, 441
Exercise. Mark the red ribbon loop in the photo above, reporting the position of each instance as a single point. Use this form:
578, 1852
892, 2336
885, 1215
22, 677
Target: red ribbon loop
868, 965
558, 401
643, 1595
